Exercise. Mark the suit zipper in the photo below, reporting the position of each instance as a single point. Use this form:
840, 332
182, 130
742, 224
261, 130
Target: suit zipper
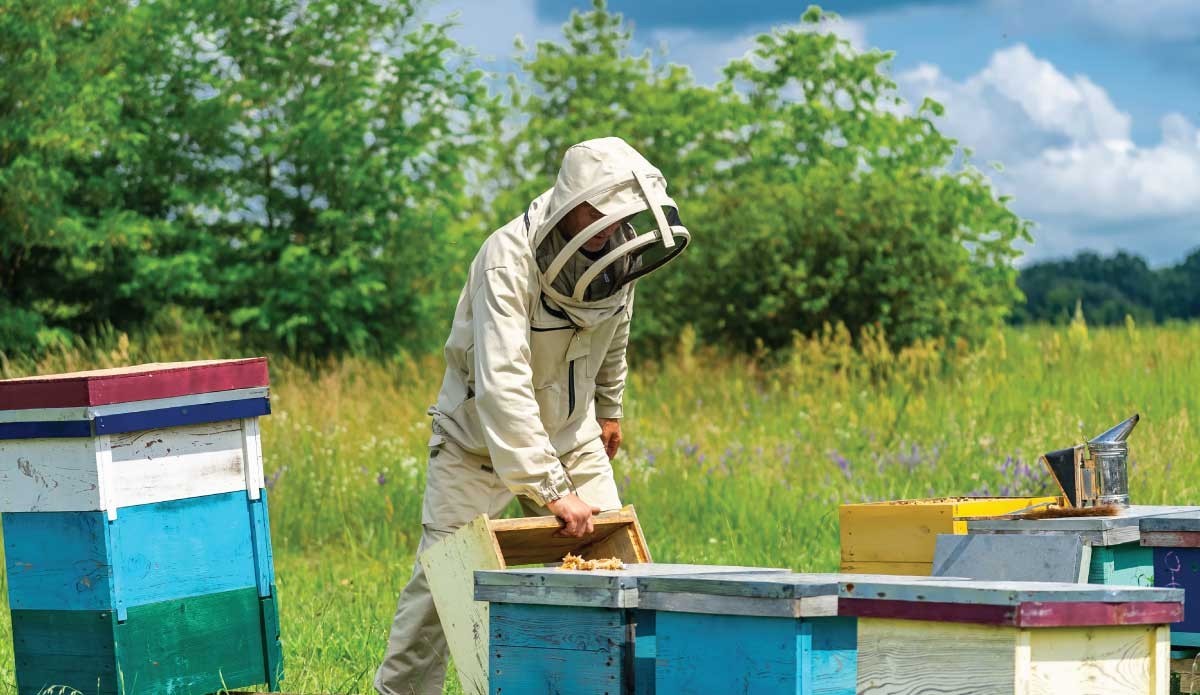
571, 388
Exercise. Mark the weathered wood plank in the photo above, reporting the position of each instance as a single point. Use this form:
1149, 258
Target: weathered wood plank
137, 383
1012, 558
726, 654
906, 569
555, 672
64, 648
151, 553
1124, 527
187, 647
901, 657
1113, 661
1127, 564
176, 416
449, 567
1000, 593
556, 627
108, 472
1179, 568
92, 412
193, 646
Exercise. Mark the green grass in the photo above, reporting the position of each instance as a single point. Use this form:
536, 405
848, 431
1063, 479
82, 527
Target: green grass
727, 460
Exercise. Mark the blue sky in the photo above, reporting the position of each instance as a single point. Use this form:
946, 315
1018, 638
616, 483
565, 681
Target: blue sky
1092, 106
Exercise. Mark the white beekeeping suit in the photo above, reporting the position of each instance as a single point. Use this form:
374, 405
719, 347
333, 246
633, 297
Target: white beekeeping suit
536, 354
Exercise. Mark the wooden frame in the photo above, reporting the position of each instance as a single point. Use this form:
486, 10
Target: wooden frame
499, 544
140, 383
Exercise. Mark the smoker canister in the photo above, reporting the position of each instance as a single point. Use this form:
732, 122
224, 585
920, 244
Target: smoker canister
1112, 472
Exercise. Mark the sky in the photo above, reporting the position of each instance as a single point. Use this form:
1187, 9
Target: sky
1092, 107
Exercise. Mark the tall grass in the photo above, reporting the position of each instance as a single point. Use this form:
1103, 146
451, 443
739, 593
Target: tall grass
728, 459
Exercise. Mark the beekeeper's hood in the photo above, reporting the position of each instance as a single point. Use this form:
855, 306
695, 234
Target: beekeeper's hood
590, 286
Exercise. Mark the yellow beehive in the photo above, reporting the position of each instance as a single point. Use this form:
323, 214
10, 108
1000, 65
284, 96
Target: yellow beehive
899, 537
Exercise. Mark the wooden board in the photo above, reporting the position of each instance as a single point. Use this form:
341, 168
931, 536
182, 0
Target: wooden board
1116, 661
1179, 568
897, 657
543, 649
91, 412
487, 544
1097, 530
1125, 564
904, 569
189, 647
139, 383
117, 423
900, 657
740, 654
1000, 593
1013, 558
151, 553
107, 472
905, 531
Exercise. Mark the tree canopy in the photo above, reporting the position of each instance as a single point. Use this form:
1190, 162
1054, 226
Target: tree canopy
313, 176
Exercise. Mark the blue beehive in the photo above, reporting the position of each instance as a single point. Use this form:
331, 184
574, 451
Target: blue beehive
136, 539
610, 646
1174, 541
749, 632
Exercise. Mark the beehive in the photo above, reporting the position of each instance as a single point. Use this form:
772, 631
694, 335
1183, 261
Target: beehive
494, 544
137, 543
610, 644
1174, 542
899, 537
1010, 638
1117, 556
750, 632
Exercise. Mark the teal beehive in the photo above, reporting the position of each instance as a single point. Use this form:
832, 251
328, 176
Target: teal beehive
137, 544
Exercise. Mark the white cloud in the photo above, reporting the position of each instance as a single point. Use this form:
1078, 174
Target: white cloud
1071, 163
1161, 20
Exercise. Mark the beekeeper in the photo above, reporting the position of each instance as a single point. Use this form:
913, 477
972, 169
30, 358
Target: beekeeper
535, 368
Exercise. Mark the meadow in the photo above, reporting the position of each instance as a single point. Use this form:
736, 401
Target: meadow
728, 459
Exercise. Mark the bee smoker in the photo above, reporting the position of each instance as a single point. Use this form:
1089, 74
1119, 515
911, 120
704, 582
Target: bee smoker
1096, 473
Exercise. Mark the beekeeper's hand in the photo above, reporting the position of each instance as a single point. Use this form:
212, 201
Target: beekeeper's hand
610, 434
575, 514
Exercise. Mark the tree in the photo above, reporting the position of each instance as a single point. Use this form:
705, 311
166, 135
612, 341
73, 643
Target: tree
813, 195
299, 172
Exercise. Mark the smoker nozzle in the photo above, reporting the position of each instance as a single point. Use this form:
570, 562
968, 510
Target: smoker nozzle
1117, 433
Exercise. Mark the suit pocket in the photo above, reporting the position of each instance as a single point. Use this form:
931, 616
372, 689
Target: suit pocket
550, 404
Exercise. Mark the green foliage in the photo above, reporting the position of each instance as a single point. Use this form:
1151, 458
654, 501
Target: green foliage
1109, 289
314, 176
812, 195
297, 172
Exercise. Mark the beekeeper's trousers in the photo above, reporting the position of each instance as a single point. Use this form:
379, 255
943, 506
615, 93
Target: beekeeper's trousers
459, 487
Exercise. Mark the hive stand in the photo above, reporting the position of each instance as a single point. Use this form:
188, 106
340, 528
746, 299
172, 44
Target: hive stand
1010, 638
899, 537
581, 632
494, 544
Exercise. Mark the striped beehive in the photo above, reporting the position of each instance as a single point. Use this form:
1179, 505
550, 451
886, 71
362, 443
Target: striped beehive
136, 539
1009, 638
